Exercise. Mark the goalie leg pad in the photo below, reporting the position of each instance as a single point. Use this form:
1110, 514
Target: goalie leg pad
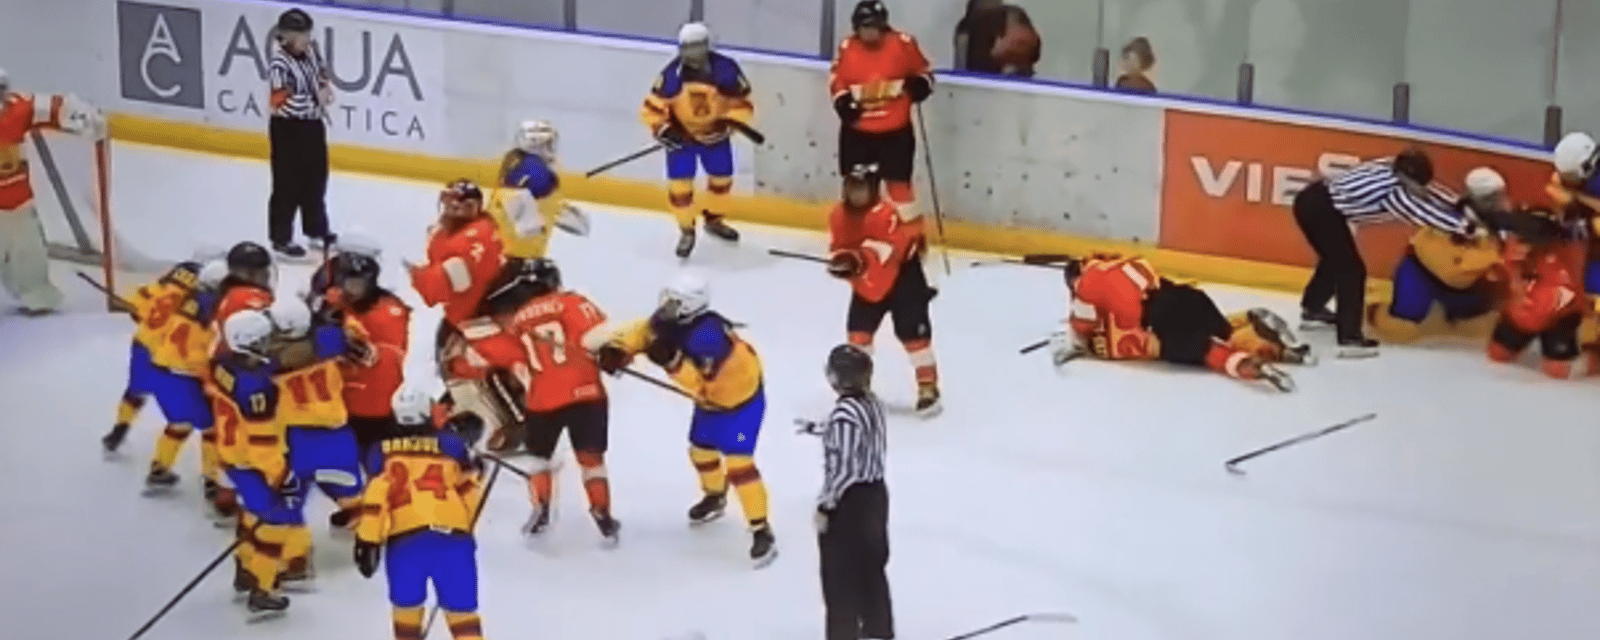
482, 398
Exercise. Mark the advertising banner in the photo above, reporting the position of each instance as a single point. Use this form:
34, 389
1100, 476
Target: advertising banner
1230, 184
210, 61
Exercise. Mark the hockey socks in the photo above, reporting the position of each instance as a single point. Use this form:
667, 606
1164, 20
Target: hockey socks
407, 623
746, 480
596, 482
170, 443
128, 408
708, 463
464, 626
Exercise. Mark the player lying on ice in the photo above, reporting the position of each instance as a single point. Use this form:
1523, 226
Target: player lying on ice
1122, 309
1455, 273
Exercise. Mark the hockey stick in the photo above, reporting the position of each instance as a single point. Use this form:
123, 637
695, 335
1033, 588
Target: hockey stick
116, 300
1060, 618
503, 464
624, 160
796, 255
1034, 346
748, 131
483, 499
186, 589
1046, 260
1232, 465
933, 190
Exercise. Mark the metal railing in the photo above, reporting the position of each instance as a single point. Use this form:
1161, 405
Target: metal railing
1486, 67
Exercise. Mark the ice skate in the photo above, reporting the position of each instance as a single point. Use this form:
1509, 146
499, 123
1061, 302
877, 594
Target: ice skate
265, 606
243, 582
1277, 377
113, 440
1272, 327
763, 546
538, 522
928, 400
609, 529
1353, 348
685, 243
708, 508
1300, 355
299, 577
1317, 319
160, 481
718, 227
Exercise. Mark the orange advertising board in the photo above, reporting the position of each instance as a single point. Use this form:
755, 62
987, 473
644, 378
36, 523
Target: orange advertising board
1228, 185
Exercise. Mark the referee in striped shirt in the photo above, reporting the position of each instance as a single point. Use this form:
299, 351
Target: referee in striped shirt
853, 509
301, 93
1328, 210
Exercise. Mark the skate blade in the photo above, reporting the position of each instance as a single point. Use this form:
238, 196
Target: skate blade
763, 561
110, 455
610, 542
240, 597
258, 617
158, 492
300, 589
700, 522
1314, 326
1357, 354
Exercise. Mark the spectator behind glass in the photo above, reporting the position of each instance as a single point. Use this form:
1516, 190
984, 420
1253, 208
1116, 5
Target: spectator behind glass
996, 38
1137, 59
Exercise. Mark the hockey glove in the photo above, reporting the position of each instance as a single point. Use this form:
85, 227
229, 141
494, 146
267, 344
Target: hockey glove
663, 353
845, 264
672, 136
848, 109
468, 425
611, 359
367, 555
919, 88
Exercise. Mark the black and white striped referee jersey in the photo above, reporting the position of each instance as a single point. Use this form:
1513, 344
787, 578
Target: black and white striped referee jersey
1371, 191
854, 441
298, 79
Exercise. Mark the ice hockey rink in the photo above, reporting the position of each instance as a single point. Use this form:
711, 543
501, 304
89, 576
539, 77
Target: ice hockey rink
1466, 510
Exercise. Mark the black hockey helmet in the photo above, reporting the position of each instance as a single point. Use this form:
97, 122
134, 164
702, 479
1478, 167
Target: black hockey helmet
541, 275
849, 369
358, 267
861, 176
294, 21
870, 13
1071, 270
250, 262
1415, 164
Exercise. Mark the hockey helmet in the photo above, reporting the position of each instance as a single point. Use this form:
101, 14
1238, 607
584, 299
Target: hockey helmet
212, 272
849, 369
1576, 156
248, 331
869, 13
685, 297
860, 187
542, 275
694, 44
290, 317
461, 198
1414, 164
537, 137
413, 408
250, 262
1484, 182
357, 275
359, 241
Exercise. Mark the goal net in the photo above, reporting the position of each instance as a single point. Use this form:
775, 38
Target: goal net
71, 177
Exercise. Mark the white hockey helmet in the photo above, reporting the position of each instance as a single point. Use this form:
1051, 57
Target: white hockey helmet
537, 137
290, 316
1575, 155
694, 33
212, 273
412, 407
687, 295
1484, 182
358, 241
248, 331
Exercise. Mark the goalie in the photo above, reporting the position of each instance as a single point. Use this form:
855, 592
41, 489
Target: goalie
24, 260
1123, 310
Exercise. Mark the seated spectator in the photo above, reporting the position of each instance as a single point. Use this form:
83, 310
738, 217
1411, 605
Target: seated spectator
996, 38
1137, 59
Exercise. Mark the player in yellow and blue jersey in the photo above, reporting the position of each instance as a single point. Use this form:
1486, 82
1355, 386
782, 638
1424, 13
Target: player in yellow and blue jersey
321, 444
527, 204
170, 352
708, 360
695, 105
421, 506
253, 450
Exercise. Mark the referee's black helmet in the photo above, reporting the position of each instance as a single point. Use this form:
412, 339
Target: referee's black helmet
294, 21
849, 369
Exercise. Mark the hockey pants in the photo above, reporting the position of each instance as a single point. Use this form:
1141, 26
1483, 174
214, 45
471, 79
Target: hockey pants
25, 262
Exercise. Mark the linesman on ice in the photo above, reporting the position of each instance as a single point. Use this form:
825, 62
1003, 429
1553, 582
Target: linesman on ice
853, 509
1328, 211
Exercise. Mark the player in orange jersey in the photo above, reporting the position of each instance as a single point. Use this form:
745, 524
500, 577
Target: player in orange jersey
24, 261
878, 75
384, 323
545, 336
1122, 309
1546, 294
880, 253
248, 284
465, 257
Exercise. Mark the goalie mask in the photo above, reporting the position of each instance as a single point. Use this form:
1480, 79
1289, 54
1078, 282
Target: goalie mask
461, 200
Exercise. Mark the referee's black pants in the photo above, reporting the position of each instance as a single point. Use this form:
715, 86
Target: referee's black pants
1340, 273
854, 550
299, 178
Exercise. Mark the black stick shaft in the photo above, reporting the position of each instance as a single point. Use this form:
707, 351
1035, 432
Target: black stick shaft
1230, 464
624, 160
933, 190
1034, 346
1015, 620
796, 255
185, 591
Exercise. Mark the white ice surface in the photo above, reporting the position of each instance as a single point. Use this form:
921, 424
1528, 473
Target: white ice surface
1467, 510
